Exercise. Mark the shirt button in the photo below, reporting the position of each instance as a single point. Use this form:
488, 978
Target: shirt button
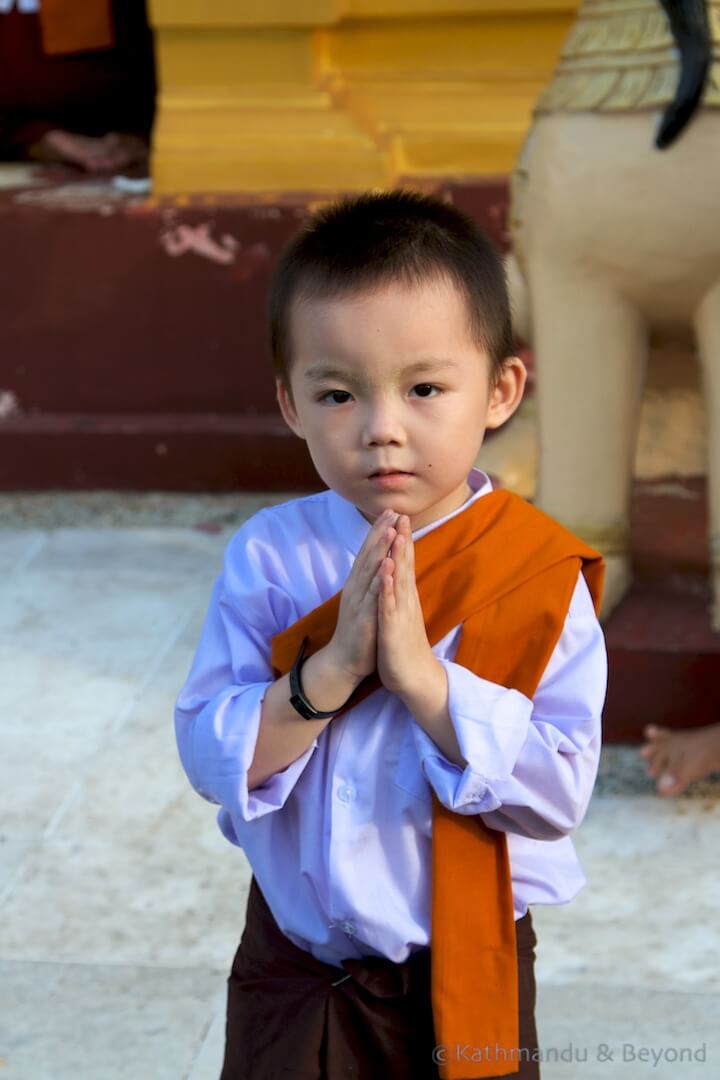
348, 927
346, 793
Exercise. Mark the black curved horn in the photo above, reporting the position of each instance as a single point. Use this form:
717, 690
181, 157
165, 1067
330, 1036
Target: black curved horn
689, 25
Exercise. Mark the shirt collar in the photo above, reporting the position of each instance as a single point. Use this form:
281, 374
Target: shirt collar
352, 526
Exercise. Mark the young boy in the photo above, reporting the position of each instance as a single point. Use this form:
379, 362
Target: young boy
396, 698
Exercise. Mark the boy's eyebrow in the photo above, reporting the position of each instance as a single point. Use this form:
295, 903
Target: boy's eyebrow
329, 371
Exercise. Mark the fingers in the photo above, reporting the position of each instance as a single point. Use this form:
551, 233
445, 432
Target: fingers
374, 550
382, 567
377, 533
403, 554
395, 571
381, 549
381, 578
400, 571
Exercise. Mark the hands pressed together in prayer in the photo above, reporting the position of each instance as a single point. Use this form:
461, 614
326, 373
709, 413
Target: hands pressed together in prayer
380, 627
403, 649
406, 663
380, 623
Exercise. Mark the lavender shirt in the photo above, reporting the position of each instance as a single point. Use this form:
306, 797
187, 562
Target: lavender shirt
340, 840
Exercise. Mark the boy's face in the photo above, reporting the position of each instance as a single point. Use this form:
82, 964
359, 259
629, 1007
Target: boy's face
375, 414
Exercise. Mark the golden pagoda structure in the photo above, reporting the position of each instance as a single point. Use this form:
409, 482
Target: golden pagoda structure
327, 95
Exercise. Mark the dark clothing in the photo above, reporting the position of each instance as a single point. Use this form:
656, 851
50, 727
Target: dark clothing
292, 1015
89, 93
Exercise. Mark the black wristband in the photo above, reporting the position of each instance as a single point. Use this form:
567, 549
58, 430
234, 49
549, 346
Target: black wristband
297, 697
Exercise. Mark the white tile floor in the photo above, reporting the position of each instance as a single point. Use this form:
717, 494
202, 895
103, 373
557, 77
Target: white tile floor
121, 904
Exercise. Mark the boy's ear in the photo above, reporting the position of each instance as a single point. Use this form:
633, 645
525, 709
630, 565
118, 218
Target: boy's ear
287, 408
507, 393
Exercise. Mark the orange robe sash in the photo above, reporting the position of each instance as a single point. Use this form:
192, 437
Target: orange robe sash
71, 26
505, 571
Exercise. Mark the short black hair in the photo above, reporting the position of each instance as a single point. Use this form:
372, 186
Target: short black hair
364, 241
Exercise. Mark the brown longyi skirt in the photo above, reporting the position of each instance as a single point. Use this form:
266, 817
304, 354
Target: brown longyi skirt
291, 1015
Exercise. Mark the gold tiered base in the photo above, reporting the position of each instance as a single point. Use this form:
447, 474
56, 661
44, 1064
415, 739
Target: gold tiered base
346, 94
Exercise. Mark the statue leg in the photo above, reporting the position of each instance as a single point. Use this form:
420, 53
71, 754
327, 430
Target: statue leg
591, 352
707, 329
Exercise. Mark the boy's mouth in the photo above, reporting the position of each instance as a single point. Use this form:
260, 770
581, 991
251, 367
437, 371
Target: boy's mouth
388, 479
389, 472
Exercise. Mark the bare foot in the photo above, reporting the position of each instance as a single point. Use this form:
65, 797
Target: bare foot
102, 154
676, 758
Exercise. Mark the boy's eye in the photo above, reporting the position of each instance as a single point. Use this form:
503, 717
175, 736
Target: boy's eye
329, 392
419, 386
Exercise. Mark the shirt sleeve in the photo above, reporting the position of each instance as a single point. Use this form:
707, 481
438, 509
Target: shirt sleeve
217, 713
531, 765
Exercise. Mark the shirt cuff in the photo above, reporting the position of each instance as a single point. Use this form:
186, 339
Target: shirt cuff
491, 724
273, 793
222, 752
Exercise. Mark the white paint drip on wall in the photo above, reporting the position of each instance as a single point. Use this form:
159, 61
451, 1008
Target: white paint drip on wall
197, 239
